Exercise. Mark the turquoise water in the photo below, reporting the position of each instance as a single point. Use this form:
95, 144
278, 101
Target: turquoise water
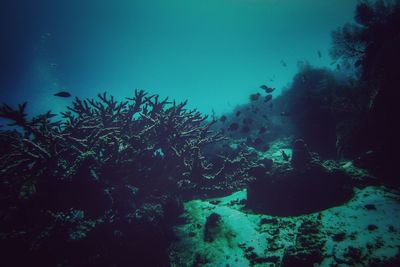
214, 53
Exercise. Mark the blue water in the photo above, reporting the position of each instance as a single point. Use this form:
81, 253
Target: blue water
212, 52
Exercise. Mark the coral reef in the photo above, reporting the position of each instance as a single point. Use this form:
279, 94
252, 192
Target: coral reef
127, 183
105, 179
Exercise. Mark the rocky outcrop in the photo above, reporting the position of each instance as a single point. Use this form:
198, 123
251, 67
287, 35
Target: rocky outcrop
301, 157
304, 185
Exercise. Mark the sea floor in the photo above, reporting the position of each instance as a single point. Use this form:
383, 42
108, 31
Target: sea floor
362, 232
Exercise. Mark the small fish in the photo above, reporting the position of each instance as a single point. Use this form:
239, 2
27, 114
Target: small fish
255, 97
238, 113
63, 94
267, 98
283, 63
319, 54
233, 127
262, 130
284, 155
223, 118
267, 89
245, 129
285, 113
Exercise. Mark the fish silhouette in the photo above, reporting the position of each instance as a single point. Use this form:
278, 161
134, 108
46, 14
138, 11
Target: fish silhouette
267, 98
254, 97
267, 89
62, 94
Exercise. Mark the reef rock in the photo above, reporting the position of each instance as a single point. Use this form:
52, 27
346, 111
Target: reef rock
300, 155
304, 185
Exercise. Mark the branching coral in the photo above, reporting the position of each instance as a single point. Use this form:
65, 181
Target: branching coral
122, 163
131, 134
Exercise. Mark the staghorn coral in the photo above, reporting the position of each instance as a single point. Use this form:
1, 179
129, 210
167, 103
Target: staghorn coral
127, 134
120, 165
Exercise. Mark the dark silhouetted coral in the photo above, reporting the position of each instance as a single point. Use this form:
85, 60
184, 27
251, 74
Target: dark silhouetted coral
103, 185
